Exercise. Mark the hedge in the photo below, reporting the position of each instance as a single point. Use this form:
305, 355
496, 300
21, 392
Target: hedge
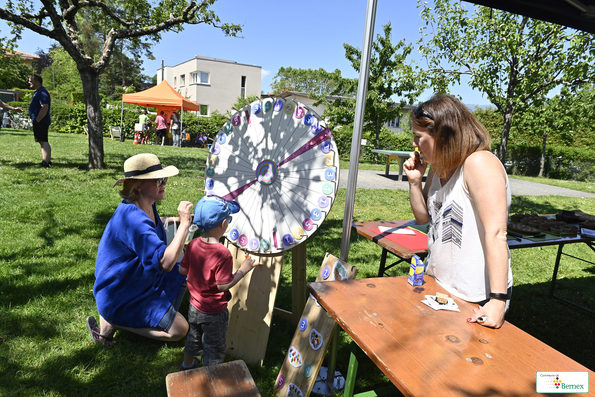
561, 162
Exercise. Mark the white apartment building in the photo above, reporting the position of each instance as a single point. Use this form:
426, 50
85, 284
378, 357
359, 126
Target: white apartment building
215, 84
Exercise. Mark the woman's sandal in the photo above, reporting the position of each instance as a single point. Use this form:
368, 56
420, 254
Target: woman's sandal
96, 334
194, 365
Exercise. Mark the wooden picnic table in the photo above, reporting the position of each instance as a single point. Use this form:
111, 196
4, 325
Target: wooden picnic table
397, 245
393, 155
435, 353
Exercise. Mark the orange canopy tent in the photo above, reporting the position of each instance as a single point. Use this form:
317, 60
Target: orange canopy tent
162, 97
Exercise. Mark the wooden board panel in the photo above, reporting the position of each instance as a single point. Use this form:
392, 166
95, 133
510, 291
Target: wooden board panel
314, 318
251, 307
226, 379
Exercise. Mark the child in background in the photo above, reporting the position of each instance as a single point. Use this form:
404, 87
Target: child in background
209, 266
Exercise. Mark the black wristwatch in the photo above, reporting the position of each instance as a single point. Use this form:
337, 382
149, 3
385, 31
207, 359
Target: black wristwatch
496, 295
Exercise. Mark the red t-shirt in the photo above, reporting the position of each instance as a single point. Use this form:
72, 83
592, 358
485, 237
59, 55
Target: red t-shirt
208, 265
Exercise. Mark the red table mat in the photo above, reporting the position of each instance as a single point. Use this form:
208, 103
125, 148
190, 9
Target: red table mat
414, 243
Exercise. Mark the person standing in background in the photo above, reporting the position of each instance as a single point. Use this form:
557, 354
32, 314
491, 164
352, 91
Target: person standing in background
39, 111
161, 125
175, 128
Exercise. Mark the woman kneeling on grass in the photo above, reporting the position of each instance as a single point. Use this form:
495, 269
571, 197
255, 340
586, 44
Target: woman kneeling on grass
466, 200
138, 287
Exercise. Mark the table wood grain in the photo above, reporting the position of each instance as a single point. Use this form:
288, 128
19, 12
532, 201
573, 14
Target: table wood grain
437, 353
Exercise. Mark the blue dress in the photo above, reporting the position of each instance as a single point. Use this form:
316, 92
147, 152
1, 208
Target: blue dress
131, 290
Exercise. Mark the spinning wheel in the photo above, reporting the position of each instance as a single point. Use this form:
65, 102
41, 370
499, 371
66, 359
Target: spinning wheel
279, 161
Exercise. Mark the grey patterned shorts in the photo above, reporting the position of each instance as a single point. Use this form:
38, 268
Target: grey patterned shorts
207, 336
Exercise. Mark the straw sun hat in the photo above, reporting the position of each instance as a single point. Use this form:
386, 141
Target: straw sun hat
145, 166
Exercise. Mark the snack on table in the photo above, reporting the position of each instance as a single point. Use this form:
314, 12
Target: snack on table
525, 229
441, 298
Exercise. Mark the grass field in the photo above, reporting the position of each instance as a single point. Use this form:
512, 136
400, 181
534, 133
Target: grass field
53, 220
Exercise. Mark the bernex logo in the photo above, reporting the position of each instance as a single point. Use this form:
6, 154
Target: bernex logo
562, 382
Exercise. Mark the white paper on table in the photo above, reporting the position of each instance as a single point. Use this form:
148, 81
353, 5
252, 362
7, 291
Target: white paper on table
433, 303
384, 229
587, 232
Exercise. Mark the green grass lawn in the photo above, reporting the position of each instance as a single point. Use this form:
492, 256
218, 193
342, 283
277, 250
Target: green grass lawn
53, 220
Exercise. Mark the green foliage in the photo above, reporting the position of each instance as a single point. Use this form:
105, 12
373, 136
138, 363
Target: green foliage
212, 124
72, 119
562, 162
243, 101
390, 76
13, 72
515, 60
77, 97
63, 75
319, 83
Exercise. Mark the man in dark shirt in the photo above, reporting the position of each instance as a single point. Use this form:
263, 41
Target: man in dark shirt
39, 111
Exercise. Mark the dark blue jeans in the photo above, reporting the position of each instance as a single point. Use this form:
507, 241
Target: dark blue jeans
207, 336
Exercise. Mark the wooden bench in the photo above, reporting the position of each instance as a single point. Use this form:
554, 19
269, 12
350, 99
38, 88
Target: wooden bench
221, 380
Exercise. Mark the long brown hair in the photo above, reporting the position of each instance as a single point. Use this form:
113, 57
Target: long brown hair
456, 131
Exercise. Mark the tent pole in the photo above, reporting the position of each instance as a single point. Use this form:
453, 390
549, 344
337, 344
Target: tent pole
360, 106
121, 116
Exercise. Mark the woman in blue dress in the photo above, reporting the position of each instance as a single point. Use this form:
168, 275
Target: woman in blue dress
138, 287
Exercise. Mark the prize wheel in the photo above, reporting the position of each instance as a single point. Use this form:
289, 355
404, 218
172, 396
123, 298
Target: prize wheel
279, 161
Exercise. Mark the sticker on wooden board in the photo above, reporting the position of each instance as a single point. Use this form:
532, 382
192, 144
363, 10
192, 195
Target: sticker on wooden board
326, 272
339, 271
294, 391
308, 370
281, 381
294, 357
315, 339
303, 324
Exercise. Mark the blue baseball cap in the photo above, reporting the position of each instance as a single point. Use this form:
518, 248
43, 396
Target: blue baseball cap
210, 211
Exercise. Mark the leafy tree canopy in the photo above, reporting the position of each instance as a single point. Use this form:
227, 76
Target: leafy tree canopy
390, 77
515, 60
13, 72
317, 82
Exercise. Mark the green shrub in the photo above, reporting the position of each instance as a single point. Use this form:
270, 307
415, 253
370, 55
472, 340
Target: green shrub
561, 162
77, 97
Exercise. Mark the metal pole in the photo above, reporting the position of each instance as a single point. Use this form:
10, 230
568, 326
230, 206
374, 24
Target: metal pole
121, 117
360, 106
358, 124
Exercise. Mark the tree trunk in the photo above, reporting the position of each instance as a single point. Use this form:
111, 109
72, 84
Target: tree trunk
505, 133
542, 165
377, 140
90, 80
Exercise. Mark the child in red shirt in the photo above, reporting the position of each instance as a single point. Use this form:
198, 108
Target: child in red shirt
209, 266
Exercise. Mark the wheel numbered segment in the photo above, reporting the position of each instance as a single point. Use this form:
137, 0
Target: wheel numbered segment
279, 161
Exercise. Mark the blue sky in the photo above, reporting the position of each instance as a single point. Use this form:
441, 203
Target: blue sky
304, 34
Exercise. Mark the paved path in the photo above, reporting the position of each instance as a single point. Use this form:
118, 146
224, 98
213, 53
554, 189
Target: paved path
377, 180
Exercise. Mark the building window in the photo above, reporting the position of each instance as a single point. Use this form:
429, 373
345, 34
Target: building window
175, 81
204, 110
199, 77
395, 123
182, 80
243, 87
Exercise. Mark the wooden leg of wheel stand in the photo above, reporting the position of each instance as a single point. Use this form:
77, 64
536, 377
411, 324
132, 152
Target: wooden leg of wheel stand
298, 281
